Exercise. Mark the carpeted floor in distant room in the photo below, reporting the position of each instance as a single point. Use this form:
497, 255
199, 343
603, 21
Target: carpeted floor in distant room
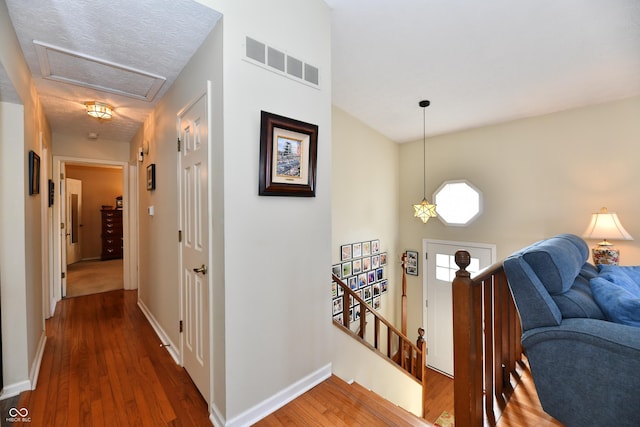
92, 277
445, 420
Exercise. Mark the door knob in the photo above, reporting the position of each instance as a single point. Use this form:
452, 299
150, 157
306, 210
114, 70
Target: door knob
202, 269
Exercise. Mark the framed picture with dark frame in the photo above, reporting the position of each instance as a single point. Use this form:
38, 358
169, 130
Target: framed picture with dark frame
412, 263
288, 156
151, 177
51, 193
34, 173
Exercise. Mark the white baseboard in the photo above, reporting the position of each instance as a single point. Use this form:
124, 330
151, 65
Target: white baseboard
278, 400
52, 307
37, 361
215, 416
168, 345
15, 389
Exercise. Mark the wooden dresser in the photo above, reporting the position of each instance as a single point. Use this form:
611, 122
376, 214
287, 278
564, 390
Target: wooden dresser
111, 233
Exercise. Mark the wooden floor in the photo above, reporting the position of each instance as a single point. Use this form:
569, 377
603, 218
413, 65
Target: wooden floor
315, 409
103, 366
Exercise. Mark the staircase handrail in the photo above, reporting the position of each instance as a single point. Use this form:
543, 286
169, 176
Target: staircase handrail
415, 353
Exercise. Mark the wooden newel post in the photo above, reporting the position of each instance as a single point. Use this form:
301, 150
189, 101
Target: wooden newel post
467, 346
422, 345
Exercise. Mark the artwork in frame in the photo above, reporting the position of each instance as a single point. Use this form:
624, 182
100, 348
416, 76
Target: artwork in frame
357, 266
383, 259
412, 263
51, 192
345, 252
384, 286
34, 173
337, 305
357, 250
375, 247
366, 248
353, 282
346, 269
151, 177
336, 270
288, 156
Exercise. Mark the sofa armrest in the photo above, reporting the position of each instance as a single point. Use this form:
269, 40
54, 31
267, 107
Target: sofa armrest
587, 371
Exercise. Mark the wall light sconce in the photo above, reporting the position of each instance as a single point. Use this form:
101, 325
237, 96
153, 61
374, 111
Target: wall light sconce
606, 225
99, 110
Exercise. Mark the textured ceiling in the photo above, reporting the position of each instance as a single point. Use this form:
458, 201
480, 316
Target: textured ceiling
7, 91
479, 62
112, 47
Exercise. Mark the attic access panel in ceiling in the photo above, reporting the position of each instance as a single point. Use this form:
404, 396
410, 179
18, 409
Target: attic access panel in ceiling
75, 68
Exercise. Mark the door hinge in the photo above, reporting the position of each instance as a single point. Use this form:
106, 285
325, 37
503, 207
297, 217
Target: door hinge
63, 275
426, 303
178, 145
61, 175
426, 255
181, 326
180, 236
62, 226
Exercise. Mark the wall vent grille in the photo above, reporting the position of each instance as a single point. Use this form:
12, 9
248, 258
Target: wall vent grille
280, 62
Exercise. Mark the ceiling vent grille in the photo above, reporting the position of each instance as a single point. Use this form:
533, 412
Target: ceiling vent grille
278, 61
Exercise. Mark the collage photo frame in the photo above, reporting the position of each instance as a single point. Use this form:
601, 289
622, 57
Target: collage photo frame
362, 267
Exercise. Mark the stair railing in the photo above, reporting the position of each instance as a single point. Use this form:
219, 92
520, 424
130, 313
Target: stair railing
399, 350
486, 343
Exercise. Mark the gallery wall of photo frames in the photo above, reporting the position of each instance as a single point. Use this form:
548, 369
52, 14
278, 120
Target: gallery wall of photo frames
362, 267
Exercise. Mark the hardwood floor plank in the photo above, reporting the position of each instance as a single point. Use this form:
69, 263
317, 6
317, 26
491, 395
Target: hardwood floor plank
103, 366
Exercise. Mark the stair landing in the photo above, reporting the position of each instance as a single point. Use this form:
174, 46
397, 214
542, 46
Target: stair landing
336, 403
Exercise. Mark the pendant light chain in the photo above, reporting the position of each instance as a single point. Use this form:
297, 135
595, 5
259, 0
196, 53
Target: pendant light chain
424, 152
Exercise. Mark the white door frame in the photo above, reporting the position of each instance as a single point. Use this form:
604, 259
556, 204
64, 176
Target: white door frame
59, 253
425, 274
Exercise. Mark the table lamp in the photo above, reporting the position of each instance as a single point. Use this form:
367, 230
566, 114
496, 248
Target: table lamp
605, 225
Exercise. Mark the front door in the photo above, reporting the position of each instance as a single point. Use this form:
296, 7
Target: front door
438, 308
73, 219
194, 213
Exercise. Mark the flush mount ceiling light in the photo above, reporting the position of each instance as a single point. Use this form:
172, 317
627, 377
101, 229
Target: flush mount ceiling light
99, 110
424, 210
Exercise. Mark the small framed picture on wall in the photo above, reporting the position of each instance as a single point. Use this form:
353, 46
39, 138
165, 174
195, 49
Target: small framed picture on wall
411, 265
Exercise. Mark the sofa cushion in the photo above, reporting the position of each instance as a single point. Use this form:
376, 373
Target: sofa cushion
617, 292
557, 261
578, 301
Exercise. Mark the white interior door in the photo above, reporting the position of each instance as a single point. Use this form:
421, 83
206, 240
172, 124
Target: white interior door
73, 220
440, 270
195, 243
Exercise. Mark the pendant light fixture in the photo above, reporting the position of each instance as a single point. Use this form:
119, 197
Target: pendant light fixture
424, 210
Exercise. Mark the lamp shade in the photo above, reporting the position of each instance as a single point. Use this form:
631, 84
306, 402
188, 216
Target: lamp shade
606, 225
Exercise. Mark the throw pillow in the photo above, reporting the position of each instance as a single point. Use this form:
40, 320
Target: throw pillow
617, 291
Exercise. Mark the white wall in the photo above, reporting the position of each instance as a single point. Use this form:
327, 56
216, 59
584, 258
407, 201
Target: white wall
540, 176
21, 272
83, 148
271, 254
366, 179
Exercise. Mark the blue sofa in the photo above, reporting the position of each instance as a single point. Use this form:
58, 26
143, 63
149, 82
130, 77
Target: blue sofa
586, 367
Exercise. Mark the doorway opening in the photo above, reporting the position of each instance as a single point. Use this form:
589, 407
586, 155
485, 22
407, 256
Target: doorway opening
93, 224
85, 262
